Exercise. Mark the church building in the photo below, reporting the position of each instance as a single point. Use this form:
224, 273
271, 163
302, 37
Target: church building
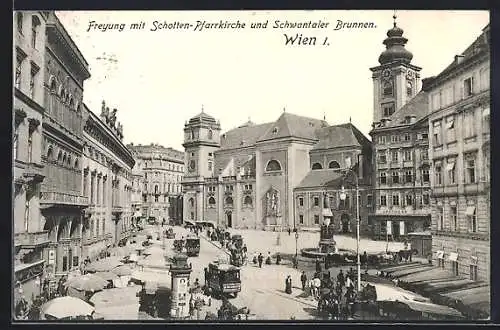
245, 177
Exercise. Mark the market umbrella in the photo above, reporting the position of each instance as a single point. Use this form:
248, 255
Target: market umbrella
67, 306
104, 265
108, 276
123, 270
87, 282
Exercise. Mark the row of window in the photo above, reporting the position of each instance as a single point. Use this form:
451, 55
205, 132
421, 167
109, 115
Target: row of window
406, 177
146, 199
388, 88
169, 166
449, 169
409, 199
34, 70
343, 204
332, 164
35, 27
247, 201
394, 138
469, 126
467, 87
395, 155
170, 176
453, 224
454, 268
210, 135
63, 159
167, 187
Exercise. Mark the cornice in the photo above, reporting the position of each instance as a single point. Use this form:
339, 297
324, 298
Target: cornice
26, 99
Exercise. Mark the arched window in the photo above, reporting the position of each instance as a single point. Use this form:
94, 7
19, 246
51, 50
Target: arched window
210, 134
71, 103
156, 189
229, 201
334, 164
317, 166
35, 24
59, 156
387, 88
191, 202
50, 153
248, 201
409, 88
211, 201
76, 163
69, 160
273, 165
64, 159
19, 20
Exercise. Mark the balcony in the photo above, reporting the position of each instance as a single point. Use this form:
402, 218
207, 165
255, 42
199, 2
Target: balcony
31, 240
55, 198
34, 173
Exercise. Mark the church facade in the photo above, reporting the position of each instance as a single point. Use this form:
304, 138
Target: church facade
246, 177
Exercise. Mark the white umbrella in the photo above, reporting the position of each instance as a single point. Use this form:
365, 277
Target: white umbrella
67, 306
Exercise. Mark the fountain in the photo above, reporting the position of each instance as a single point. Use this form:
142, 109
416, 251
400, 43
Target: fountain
326, 244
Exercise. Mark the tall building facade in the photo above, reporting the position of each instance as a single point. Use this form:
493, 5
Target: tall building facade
319, 194
61, 198
136, 197
162, 171
107, 182
245, 178
30, 237
459, 124
400, 138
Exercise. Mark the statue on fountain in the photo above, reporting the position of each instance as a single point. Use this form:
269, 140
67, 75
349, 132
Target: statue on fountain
326, 241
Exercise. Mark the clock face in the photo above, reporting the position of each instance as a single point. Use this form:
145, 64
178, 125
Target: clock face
409, 75
192, 165
386, 73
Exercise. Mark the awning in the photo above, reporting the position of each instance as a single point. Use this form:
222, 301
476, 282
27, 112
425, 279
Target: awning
433, 273
327, 212
399, 267
431, 308
463, 294
453, 256
470, 210
450, 166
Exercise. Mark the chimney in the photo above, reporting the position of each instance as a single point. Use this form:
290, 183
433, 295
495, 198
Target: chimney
459, 59
384, 121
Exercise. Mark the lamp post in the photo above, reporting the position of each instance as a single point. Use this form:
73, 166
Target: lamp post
343, 197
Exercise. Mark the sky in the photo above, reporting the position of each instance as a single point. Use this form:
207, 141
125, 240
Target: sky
160, 79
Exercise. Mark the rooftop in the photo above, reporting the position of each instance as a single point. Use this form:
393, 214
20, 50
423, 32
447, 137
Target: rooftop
320, 178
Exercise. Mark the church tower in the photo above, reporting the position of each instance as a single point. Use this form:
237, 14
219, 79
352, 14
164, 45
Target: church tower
395, 80
201, 140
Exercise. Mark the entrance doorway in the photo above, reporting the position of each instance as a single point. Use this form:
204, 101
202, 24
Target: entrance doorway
345, 223
229, 219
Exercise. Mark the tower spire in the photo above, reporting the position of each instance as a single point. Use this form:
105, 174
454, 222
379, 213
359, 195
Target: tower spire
394, 17
202, 108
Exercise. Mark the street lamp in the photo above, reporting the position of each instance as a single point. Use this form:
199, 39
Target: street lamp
343, 197
296, 247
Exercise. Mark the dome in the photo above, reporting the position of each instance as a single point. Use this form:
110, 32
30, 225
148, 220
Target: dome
395, 47
202, 117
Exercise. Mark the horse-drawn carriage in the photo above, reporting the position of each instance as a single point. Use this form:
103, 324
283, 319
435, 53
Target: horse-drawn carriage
192, 246
178, 245
169, 233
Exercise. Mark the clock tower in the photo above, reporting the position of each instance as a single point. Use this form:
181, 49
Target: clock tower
201, 140
395, 80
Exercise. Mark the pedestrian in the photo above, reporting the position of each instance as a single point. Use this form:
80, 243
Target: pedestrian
349, 283
303, 279
288, 285
254, 260
268, 259
260, 258
317, 286
340, 278
278, 259
289, 231
318, 265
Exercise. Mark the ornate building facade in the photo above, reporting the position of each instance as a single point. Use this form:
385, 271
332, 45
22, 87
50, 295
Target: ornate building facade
61, 199
106, 181
30, 237
400, 139
162, 171
318, 196
459, 124
245, 178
